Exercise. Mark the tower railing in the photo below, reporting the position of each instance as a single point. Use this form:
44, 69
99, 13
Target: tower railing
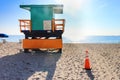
58, 24
25, 25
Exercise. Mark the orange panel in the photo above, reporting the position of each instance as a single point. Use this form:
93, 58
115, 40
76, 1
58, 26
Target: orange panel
42, 43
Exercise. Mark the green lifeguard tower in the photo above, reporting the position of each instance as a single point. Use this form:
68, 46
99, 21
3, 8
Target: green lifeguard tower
43, 30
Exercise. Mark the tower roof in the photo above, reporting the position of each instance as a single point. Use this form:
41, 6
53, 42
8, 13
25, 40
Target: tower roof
57, 9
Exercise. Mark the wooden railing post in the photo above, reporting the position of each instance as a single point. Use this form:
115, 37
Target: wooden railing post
53, 24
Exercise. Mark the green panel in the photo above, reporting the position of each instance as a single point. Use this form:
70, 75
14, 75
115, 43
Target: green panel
39, 14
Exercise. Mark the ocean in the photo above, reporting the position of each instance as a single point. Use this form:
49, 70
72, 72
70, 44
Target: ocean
89, 39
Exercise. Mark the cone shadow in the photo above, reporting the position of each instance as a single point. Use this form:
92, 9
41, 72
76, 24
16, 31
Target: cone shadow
90, 75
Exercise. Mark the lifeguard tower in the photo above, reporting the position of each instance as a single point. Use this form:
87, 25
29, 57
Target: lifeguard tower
43, 30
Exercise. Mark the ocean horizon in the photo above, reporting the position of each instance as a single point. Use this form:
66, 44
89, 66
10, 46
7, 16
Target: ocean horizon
88, 39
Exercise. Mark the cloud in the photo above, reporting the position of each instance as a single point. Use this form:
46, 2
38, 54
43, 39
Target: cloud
72, 7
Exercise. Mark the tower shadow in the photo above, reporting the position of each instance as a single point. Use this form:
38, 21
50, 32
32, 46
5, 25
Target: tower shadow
22, 66
90, 75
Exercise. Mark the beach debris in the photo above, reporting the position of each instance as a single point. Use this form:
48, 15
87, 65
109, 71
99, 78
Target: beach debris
20, 41
87, 62
21, 50
4, 41
86, 51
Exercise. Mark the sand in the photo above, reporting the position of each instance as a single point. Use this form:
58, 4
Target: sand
104, 60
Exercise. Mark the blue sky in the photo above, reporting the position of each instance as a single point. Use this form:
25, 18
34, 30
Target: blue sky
83, 17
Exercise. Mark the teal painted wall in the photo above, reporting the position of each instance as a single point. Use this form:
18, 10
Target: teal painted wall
39, 14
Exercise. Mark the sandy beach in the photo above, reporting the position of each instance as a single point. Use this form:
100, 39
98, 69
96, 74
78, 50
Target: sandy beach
104, 59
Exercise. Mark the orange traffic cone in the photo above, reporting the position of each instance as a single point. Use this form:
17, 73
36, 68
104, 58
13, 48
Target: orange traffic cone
87, 64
